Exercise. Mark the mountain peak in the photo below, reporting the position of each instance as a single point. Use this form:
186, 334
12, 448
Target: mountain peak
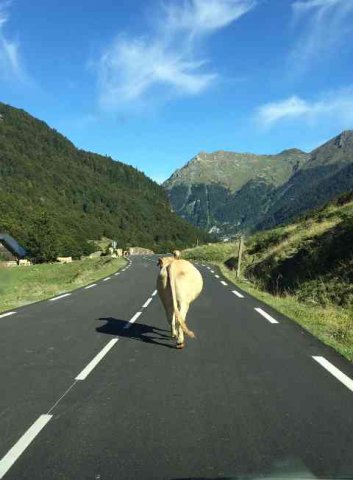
292, 151
343, 138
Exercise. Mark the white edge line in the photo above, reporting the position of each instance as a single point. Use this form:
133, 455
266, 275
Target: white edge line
238, 294
132, 320
154, 293
118, 273
105, 279
7, 314
59, 297
224, 283
217, 276
91, 286
343, 378
88, 369
266, 315
147, 303
20, 446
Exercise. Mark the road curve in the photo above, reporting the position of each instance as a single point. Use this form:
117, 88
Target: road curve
92, 388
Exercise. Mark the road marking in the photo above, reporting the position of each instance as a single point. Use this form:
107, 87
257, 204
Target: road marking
118, 273
133, 320
147, 303
266, 315
224, 283
217, 276
238, 294
14, 453
348, 382
105, 279
212, 271
154, 293
88, 369
203, 264
208, 268
7, 314
59, 297
91, 286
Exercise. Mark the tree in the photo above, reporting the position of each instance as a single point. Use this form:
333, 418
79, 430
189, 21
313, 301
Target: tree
42, 240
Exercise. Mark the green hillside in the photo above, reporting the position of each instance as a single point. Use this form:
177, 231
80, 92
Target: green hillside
48, 186
225, 192
304, 269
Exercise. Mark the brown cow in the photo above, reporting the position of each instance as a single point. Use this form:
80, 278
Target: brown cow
179, 283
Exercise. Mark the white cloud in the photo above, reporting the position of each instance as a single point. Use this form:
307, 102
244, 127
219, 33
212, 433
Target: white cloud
169, 59
204, 16
324, 25
335, 106
10, 67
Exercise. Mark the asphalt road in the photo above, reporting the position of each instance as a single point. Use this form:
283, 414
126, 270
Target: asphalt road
93, 388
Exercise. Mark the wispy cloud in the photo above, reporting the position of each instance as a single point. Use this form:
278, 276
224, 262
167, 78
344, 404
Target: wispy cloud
167, 61
323, 25
10, 66
336, 106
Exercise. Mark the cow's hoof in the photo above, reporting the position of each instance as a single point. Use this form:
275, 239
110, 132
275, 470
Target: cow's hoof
180, 345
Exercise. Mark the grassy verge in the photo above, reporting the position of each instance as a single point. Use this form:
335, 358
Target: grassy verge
22, 285
332, 324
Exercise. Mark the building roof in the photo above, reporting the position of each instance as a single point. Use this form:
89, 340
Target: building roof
12, 245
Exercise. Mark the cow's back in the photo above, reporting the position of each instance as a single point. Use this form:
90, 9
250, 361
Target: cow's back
188, 280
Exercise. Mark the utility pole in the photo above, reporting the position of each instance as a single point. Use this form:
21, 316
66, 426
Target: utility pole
240, 254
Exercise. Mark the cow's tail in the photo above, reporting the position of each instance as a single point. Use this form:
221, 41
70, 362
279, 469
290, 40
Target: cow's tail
177, 314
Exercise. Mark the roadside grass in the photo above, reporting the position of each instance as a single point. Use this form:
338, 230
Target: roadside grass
23, 285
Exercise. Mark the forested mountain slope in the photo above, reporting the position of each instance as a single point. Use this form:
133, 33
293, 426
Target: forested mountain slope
78, 195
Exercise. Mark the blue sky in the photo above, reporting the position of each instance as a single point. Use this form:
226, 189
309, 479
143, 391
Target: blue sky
153, 82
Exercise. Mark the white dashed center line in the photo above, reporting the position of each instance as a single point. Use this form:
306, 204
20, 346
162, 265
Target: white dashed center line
217, 276
118, 273
154, 293
147, 303
238, 294
266, 315
14, 453
343, 378
224, 283
90, 286
7, 314
132, 320
59, 297
105, 279
88, 369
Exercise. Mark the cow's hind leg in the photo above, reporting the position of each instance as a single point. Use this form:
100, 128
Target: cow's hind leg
173, 327
169, 310
184, 307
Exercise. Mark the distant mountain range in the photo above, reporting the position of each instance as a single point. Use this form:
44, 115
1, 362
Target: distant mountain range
226, 192
83, 195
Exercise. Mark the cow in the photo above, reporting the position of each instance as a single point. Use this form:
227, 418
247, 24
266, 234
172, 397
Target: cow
178, 284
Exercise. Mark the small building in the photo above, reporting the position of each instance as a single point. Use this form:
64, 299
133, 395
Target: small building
10, 250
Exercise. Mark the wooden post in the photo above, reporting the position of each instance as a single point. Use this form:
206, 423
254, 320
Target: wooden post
240, 254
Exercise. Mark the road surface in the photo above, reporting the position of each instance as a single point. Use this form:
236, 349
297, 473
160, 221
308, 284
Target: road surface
92, 388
